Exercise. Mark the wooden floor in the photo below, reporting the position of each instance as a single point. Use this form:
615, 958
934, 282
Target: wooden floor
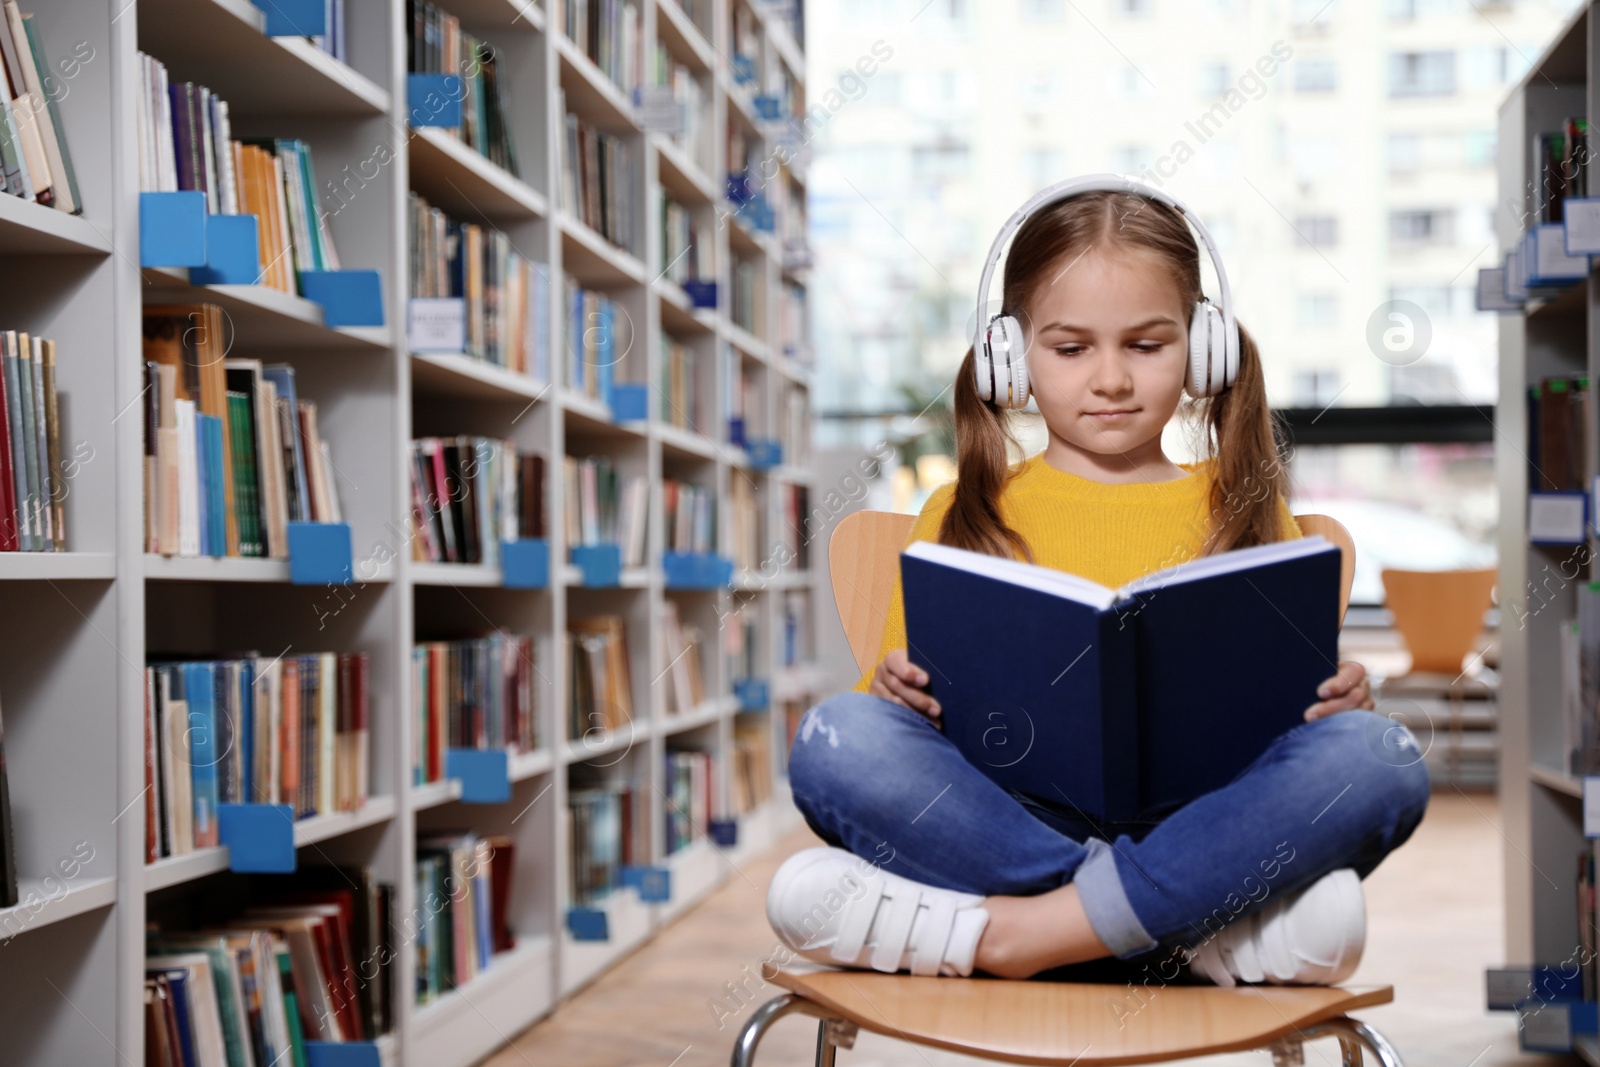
1434, 924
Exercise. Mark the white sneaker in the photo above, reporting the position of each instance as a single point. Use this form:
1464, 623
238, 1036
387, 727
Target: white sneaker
834, 907
1313, 936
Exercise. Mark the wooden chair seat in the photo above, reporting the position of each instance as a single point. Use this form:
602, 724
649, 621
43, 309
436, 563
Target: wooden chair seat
1074, 1023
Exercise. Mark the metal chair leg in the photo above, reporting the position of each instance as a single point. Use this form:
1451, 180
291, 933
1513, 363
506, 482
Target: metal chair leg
1352, 1034
832, 1031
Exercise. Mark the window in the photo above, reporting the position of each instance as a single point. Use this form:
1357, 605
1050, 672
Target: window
1316, 76
1426, 226
1315, 387
1314, 158
1478, 147
1214, 80
1043, 10
1438, 301
1422, 73
1042, 89
1317, 231
1312, 16
1131, 159
1405, 152
1129, 84
1484, 66
1317, 309
944, 158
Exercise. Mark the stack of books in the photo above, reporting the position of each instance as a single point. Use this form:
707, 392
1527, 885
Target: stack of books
607, 829
744, 295
685, 662
33, 473
752, 763
693, 137
744, 522
470, 494
689, 781
689, 515
473, 693
436, 44
599, 334
601, 696
682, 395
507, 297
599, 177
604, 507
609, 32
464, 898
251, 730
34, 156
232, 454
686, 252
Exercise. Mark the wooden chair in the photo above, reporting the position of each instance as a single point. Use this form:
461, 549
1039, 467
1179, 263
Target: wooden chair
1057, 1023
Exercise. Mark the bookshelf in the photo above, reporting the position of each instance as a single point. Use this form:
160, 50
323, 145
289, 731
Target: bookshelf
1553, 333
82, 623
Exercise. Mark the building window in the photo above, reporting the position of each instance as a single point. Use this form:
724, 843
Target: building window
1478, 147
1317, 231
1043, 10
1405, 152
1316, 76
1132, 159
1311, 16
1433, 226
1422, 73
1315, 387
1317, 309
1214, 80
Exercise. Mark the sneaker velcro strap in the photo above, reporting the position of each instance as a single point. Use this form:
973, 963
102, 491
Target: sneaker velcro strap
933, 934
857, 921
895, 930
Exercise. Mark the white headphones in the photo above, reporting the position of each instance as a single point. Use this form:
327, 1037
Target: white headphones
1000, 348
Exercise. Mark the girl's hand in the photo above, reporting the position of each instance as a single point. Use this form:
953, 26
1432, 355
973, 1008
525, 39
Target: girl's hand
900, 680
1348, 689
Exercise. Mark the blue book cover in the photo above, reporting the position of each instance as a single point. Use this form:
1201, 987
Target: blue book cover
178, 984
199, 682
1122, 702
246, 732
202, 466
281, 375
605, 350
216, 497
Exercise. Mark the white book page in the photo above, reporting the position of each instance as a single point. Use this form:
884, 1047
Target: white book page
1015, 572
1227, 562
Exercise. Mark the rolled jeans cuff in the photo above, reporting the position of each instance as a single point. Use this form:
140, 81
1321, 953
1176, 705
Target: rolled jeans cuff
1106, 904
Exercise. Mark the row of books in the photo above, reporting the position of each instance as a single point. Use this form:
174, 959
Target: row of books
1559, 407
744, 295
601, 689
33, 473
34, 155
186, 143
605, 507
794, 425
750, 772
686, 249
687, 797
607, 829
689, 514
255, 729
599, 334
472, 693
744, 522
609, 32
506, 298
308, 961
436, 44
685, 651
470, 494
1560, 169
683, 386
745, 407
464, 903
693, 133
794, 330
232, 454
599, 180
796, 529
794, 611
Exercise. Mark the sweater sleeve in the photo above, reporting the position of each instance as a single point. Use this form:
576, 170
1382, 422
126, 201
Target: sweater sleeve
926, 528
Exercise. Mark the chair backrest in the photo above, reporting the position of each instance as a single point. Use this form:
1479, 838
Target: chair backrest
864, 551
1439, 614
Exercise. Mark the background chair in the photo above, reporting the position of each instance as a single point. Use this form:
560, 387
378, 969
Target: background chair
1047, 1022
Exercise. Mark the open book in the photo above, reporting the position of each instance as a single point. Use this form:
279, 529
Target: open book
1122, 702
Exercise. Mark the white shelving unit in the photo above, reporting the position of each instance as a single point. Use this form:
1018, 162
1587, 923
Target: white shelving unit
78, 626
1540, 799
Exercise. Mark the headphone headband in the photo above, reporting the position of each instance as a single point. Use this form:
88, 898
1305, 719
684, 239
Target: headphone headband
1092, 183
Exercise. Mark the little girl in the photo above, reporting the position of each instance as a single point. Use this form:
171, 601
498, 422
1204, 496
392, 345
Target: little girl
940, 871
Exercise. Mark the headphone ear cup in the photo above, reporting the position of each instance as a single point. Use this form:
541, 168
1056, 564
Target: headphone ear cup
1208, 352
1001, 367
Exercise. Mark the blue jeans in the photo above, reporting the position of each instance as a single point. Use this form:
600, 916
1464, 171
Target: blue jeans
882, 781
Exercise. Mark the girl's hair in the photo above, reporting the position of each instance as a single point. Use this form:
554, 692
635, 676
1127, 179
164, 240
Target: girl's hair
1249, 475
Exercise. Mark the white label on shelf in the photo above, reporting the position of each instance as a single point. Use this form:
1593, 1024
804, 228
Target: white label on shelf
1550, 245
1591, 806
1582, 215
658, 110
1516, 282
1545, 1026
1556, 518
438, 324
1492, 291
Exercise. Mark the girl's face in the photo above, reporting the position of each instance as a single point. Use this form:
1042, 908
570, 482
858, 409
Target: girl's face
1108, 348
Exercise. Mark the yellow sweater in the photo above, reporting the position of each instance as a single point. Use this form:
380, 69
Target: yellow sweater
1108, 533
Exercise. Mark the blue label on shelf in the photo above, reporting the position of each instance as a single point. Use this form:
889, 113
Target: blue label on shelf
725, 832
484, 774
525, 563
260, 837
744, 68
588, 924
601, 564
768, 107
696, 570
172, 229
736, 431
752, 694
738, 186
348, 297
343, 1054
233, 252
653, 883
701, 294
295, 18
319, 553
765, 453
434, 99
630, 401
